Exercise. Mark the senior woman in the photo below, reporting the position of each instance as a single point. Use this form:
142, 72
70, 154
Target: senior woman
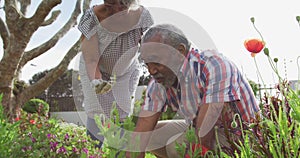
111, 33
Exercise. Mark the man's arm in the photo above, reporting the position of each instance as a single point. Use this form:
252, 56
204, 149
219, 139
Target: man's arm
145, 125
206, 119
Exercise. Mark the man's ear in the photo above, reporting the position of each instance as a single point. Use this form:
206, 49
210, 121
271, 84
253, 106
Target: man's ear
182, 49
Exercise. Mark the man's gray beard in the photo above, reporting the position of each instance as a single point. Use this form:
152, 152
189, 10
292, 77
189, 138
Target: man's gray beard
169, 82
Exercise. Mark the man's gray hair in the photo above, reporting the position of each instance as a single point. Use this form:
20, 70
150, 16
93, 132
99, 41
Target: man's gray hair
170, 34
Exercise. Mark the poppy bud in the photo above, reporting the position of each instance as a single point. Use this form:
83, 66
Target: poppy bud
298, 18
266, 51
275, 60
252, 19
234, 124
254, 46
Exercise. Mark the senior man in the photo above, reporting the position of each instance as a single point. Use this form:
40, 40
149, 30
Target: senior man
204, 87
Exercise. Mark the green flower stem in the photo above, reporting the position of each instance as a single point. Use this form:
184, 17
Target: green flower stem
298, 66
217, 138
269, 59
262, 38
258, 71
274, 68
240, 121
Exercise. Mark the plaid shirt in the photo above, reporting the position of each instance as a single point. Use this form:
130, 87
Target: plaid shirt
205, 77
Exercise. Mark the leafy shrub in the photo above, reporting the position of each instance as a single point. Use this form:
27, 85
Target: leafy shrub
39, 136
36, 106
35, 135
8, 133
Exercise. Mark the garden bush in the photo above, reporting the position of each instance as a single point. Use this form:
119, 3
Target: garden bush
36, 106
37, 136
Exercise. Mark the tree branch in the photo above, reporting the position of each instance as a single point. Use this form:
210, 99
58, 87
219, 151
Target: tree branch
24, 5
53, 41
12, 16
86, 4
10, 2
43, 10
4, 33
52, 76
53, 17
17, 22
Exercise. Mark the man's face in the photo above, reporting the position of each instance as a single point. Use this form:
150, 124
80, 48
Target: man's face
161, 60
157, 58
162, 74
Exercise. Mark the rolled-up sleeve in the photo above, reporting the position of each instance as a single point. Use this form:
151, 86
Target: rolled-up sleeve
155, 97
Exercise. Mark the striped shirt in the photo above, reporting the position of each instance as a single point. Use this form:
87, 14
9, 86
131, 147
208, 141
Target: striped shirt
205, 77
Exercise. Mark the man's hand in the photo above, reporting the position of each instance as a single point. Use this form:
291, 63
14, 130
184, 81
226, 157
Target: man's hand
147, 121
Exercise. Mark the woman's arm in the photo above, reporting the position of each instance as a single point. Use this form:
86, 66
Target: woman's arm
91, 55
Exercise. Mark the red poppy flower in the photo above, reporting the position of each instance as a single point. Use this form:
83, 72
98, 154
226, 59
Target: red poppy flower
197, 147
17, 119
31, 121
254, 46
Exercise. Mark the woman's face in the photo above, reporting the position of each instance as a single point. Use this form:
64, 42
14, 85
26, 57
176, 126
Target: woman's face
114, 6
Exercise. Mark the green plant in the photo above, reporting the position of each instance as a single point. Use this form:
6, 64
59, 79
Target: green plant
116, 134
8, 133
35, 135
36, 106
275, 132
42, 137
193, 148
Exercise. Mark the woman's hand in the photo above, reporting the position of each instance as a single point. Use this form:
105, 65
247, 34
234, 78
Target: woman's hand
101, 86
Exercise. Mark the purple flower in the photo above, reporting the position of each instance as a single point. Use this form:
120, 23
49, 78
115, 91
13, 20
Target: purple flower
61, 150
33, 140
66, 136
53, 146
30, 134
74, 149
49, 135
84, 141
85, 150
24, 149
29, 148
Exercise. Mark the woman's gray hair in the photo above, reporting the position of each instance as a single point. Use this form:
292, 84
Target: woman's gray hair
130, 3
170, 34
